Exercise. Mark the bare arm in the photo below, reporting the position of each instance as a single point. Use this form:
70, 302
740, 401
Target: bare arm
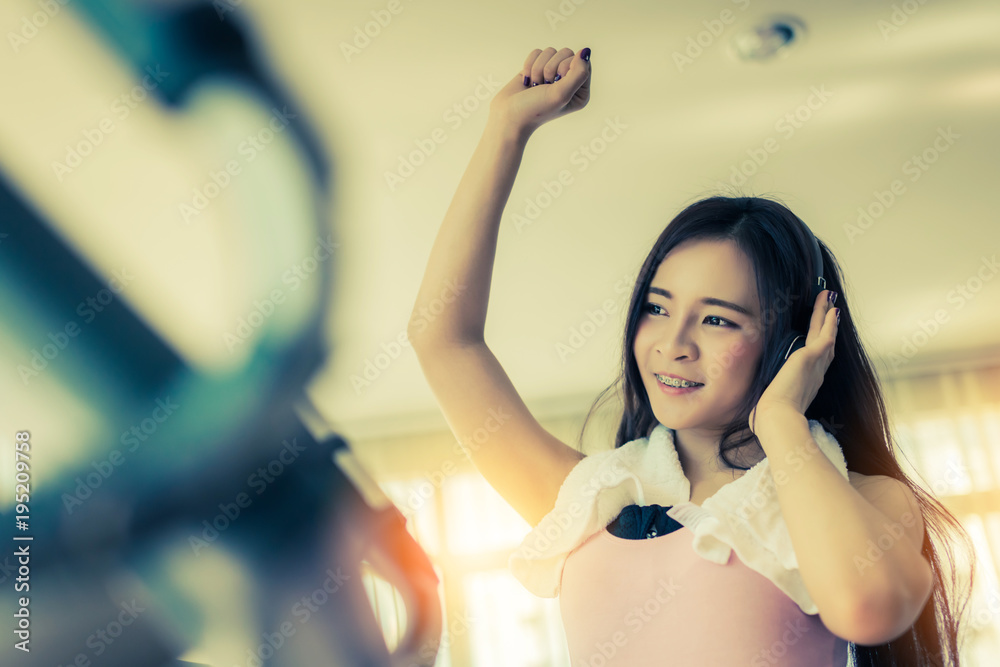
522, 461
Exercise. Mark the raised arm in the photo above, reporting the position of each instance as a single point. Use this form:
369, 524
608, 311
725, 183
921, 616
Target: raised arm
519, 458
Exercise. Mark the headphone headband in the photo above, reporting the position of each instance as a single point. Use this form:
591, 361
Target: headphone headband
817, 286
817, 265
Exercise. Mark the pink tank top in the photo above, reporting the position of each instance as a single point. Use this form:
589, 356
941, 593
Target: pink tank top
655, 602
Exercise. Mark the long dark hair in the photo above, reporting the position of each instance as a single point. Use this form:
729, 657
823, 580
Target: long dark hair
849, 403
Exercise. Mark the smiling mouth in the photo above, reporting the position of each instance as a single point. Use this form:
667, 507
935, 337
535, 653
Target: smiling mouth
674, 382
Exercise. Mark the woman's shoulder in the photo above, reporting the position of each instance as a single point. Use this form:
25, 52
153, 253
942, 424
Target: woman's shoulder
857, 479
874, 486
895, 499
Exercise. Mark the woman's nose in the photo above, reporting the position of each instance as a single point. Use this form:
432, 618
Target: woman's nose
676, 342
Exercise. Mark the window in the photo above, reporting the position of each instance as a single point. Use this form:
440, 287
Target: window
490, 619
947, 429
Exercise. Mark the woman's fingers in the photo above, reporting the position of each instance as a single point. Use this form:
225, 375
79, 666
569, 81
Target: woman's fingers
551, 68
538, 67
577, 78
564, 66
548, 66
528, 62
567, 77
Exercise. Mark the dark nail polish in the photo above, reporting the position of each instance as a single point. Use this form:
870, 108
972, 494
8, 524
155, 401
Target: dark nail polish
547, 81
527, 80
837, 310
533, 84
557, 78
585, 54
833, 297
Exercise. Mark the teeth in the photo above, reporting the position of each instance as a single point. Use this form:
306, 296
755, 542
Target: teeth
672, 382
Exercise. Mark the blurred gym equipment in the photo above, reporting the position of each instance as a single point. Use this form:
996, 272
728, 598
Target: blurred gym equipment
177, 493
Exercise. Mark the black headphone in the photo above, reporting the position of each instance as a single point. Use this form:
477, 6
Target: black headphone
796, 339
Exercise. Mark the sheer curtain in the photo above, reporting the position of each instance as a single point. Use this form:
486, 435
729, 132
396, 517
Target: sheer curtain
946, 423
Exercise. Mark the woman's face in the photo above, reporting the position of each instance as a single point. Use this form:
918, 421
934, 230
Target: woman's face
711, 343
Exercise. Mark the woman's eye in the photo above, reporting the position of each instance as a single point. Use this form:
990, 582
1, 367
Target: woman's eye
653, 308
727, 323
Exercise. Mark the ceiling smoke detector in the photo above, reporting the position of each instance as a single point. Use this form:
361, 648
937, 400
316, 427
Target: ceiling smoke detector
771, 38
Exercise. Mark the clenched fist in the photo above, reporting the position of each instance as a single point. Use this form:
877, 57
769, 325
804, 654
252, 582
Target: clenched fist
550, 84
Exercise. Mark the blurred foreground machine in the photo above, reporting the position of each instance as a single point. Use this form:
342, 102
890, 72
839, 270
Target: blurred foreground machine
187, 505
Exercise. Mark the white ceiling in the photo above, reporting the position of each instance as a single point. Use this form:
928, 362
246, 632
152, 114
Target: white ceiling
890, 93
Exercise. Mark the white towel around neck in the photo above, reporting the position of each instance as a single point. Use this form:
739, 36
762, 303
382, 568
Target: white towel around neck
743, 515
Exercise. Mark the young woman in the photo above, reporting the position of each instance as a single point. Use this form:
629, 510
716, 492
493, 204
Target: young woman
713, 304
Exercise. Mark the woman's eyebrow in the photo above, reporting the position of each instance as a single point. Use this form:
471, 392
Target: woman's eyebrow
710, 301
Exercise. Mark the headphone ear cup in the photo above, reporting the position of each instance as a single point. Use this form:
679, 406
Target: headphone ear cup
793, 341
796, 339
